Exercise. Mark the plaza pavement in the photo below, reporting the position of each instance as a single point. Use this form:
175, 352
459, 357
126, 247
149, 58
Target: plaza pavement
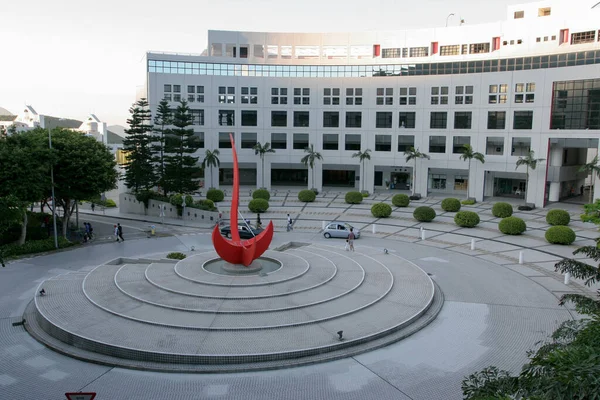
495, 309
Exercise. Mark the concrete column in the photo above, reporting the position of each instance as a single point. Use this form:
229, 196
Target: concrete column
556, 156
317, 171
554, 194
476, 178
259, 177
367, 177
422, 179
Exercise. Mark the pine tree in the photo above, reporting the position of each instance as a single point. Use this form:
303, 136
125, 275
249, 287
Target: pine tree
181, 167
139, 169
162, 120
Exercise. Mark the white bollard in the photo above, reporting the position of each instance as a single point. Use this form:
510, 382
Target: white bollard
521, 257
567, 278
472, 244
374, 229
322, 224
422, 233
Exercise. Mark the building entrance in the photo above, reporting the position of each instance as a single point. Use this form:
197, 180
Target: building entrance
509, 187
400, 181
289, 177
338, 178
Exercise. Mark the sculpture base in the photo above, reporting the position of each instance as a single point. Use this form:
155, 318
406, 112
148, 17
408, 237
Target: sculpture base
240, 269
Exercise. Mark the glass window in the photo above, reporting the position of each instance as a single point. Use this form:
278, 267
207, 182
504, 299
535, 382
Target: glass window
224, 142
191, 89
249, 140
520, 146
383, 120
438, 120
278, 141
458, 144
383, 143
576, 104
227, 117
352, 142
407, 120
496, 120
249, 118
494, 146
353, 119
405, 142
462, 120
330, 141
523, 120
331, 119
199, 136
197, 117
278, 118
167, 88
437, 144
176, 88
300, 141
301, 118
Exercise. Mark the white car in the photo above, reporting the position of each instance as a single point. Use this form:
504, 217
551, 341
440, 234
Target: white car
340, 230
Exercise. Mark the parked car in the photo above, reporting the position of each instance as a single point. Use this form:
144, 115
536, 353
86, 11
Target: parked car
245, 233
340, 230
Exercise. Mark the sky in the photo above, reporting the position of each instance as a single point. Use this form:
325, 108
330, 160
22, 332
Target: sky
69, 58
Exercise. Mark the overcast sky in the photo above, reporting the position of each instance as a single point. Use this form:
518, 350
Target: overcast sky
68, 58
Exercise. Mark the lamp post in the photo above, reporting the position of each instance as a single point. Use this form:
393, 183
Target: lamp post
53, 198
448, 17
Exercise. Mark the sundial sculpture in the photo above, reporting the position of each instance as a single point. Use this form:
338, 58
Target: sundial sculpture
237, 251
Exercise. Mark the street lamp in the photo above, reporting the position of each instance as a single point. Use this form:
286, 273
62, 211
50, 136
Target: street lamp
53, 198
448, 17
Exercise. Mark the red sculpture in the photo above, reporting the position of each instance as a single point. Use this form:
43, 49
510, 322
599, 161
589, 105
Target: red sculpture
237, 251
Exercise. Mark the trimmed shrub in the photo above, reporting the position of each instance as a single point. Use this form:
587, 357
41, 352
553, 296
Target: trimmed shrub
216, 195
502, 210
466, 219
35, 246
451, 204
400, 200
258, 205
189, 200
315, 190
261, 194
468, 202
512, 226
365, 193
354, 198
560, 235
176, 255
108, 203
558, 217
307, 196
204, 204
424, 214
381, 210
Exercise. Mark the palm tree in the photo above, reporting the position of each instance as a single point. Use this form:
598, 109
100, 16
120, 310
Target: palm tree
593, 168
468, 155
530, 162
211, 159
261, 151
412, 154
362, 157
309, 160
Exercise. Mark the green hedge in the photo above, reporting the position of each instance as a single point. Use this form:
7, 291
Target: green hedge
216, 195
365, 193
261, 194
35, 246
354, 198
502, 210
424, 214
176, 200
468, 202
558, 217
401, 200
189, 200
466, 219
258, 205
204, 204
381, 210
451, 204
512, 226
307, 196
560, 235
176, 255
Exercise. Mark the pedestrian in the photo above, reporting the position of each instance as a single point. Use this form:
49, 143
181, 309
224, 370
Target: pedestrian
351, 239
581, 190
117, 233
258, 221
289, 223
90, 231
93, 207
346, 246
120, 232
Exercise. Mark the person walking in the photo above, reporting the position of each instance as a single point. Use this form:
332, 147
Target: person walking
117, 233
93, 207
289, 223
258, 221
90, 231
351, 239
120, 232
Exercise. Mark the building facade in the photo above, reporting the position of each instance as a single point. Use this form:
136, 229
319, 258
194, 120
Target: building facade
530, 82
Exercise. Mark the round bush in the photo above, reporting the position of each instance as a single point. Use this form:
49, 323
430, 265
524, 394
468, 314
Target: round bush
381, 210
189, 200
558, 217
401, 200
176, 200
424, 214
466, 219
216, 195
512, 226
502, 210
109, 203
560, 235
451, 204
176, 255
258, 205
365, 193
261, 194
468, 202
307, 196
354, 198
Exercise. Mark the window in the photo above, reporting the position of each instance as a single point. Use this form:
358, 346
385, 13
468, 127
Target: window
519, 14
200, 94
176, 88
272, 51
437, 144
278, 141
383, 119
495, 98
406, 120
462, 120
439, 95
353, 119
438, 120
583, 37
176, 97
191, 89
523, 120
302, 96
167, 88
330, 141
230, 50
227, 117
461, 182
576, 104
458, 144
278, 118
331, 119
544, 12
391, 53
301, 118
331, 96
496, 120
528, 89
278, 95
494, 146
300, 141
478, 48
438, 181
463, 95
419, 52
352, 142
408, 96
199, 137
249, 140
249, 118
191, 98
520, 146
226, 95
197, 117
168, 97
354, 96
224, 142
249, 95
259, 51
243, 51
453, 50
385, 96
383, 143
405, 142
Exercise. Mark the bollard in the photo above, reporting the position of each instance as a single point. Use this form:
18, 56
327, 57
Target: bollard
567, 278
374, 229
472, 244
322, 224
521, 258
422, 233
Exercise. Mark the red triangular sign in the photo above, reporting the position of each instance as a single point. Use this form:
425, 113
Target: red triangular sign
81, 396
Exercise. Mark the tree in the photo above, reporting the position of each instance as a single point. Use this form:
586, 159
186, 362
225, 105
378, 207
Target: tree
531, 163
139, 170
412, 154
11, 213
362, 157
309, 160
594, 169
162, 119
3, 132
261, 150
181, 167
468, 155
211, 159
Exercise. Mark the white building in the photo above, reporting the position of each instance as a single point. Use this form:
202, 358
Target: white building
530, 82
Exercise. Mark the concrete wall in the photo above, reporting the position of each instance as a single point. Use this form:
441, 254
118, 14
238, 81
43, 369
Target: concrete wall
128, 204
